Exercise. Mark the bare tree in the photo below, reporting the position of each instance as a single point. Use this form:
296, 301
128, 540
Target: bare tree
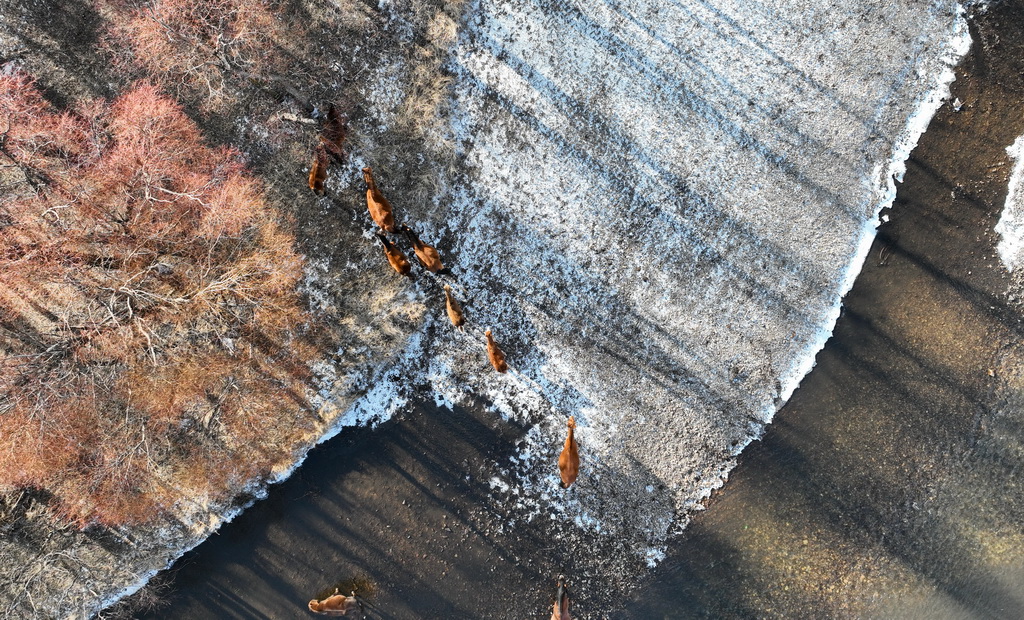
149, 326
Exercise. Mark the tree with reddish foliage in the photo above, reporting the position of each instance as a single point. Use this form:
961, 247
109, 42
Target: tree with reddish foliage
203, 46
149, 324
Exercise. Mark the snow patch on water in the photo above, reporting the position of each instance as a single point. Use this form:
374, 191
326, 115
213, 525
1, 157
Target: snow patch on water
1011, 222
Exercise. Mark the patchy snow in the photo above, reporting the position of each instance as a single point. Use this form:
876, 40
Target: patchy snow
499, 484
666, 202
654, 555
1011, 222
661, 206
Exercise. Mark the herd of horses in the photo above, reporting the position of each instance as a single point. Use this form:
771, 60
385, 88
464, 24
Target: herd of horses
382, 213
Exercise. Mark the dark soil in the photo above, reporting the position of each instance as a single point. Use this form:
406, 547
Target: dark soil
397, 514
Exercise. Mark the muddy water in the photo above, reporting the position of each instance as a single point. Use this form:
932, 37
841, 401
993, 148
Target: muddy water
890, 485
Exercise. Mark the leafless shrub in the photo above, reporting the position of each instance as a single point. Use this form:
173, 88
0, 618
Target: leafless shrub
148, 310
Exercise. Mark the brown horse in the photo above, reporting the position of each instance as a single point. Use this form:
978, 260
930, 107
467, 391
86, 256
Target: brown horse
561, 607
318, 173
333, 134
455, 314
380, 208
335, 605
395, 256
569, 459
426, 254
495, 354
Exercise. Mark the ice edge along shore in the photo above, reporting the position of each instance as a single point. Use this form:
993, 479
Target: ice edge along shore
371, 408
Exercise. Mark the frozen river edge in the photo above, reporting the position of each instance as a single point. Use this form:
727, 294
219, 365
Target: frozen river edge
548, 384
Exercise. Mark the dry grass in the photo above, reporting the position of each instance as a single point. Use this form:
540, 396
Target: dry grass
195, 369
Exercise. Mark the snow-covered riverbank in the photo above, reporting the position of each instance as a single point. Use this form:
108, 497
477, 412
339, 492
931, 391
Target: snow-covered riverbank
1011, 226
660, 208
663, 206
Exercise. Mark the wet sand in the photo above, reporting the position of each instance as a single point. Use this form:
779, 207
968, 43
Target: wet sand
886, 486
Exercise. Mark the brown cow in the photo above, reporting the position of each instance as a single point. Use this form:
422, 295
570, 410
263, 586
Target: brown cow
569, 459
455, 313
335, 605
395, 256
380, 208
495, 354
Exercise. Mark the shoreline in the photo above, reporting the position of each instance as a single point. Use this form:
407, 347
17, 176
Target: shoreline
886, 487
221, 553
486, 526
